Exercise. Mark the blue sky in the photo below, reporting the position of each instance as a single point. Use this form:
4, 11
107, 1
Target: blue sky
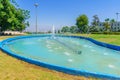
64, 12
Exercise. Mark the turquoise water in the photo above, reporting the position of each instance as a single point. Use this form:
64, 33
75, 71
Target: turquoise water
63, 51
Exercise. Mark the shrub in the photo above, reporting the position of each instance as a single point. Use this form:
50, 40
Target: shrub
115, 33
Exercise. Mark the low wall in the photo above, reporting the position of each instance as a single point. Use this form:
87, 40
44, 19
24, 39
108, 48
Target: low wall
56, 67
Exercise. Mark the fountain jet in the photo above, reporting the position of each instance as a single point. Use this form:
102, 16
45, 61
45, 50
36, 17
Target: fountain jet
53, 32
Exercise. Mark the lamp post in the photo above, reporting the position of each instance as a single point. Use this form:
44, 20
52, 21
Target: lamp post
36, 5
117, 16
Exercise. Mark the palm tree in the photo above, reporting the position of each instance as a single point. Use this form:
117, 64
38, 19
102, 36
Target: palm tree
107, 24
112, 21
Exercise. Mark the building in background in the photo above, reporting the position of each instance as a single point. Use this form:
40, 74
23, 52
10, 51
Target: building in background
114, 26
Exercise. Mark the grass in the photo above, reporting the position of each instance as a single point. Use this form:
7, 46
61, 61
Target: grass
111, 39
14, 69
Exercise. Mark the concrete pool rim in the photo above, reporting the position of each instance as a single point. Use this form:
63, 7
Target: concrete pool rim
56, 67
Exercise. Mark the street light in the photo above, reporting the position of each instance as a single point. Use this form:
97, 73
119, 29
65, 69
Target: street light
117, 16
36, 5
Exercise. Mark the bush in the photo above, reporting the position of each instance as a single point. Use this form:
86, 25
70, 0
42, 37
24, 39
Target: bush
28, 32
115, 33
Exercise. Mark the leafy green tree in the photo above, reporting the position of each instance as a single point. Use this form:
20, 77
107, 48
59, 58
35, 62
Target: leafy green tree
65, 29
73, 29
12, 18
6, 12
94, 29
95, 20
95, 23
22, 16
82, 23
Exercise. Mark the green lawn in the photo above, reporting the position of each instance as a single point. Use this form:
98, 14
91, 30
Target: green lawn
111, 39
14, 69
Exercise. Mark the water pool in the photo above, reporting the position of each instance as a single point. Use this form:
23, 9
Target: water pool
72, 53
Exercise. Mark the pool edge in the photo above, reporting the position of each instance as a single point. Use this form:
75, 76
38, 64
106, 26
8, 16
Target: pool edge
55, 67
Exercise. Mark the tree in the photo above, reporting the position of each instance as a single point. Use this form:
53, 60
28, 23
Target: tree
94, 29
73, 29
95, 20
65, 29
82, 23
7, 14
12, 18
58, 31
107, 24
95, 23
107, 20
49, 31
112, 20
22, 16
